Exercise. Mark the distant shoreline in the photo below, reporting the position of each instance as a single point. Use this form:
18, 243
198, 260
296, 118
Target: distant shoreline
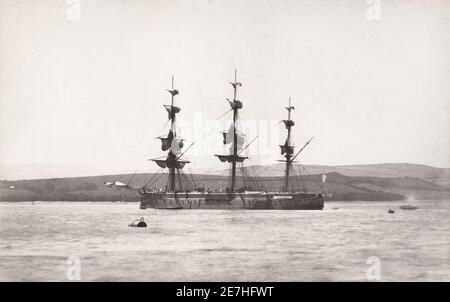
378, 182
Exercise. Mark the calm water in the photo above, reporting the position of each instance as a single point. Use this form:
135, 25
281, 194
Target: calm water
216, 245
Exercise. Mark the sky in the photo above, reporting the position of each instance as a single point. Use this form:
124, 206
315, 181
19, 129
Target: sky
82, 83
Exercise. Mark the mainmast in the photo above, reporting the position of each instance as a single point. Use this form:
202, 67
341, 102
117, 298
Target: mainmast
288, 149
172, 142
233, 136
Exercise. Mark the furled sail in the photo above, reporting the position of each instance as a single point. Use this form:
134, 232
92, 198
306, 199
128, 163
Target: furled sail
170, 163
173, 143
236, 84
161, 163
287, 149
236, 104
288, 123
231, 158
290, 108
173, 92
166, 142
172, 110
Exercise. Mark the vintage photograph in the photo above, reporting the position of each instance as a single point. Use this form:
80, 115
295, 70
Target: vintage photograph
224, 141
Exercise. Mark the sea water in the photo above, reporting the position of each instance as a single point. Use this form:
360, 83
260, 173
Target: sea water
347, 241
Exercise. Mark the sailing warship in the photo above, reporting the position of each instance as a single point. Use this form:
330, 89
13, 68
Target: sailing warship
177, 196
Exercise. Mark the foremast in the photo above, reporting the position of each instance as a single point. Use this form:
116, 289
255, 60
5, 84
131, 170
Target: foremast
233, 136
172, 143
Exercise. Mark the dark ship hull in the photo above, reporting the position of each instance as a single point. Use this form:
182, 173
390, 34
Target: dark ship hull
232, 201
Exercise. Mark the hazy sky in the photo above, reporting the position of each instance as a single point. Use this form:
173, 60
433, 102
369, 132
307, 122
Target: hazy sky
84, 96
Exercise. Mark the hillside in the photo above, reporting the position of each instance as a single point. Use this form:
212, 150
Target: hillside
440, 176
343, 187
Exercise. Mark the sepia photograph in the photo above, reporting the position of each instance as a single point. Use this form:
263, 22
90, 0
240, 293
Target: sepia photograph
243, 141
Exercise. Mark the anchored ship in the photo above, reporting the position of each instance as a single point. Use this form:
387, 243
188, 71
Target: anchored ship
177, 195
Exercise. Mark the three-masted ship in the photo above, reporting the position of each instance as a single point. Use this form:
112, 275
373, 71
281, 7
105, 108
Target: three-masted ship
175, 196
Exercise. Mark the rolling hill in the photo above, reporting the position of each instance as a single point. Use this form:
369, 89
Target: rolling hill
359, 182
440, 176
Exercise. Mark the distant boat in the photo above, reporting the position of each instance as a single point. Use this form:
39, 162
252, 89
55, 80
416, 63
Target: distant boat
391, 211
408, 207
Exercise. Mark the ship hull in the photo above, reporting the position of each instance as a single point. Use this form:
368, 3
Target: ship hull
232, 201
